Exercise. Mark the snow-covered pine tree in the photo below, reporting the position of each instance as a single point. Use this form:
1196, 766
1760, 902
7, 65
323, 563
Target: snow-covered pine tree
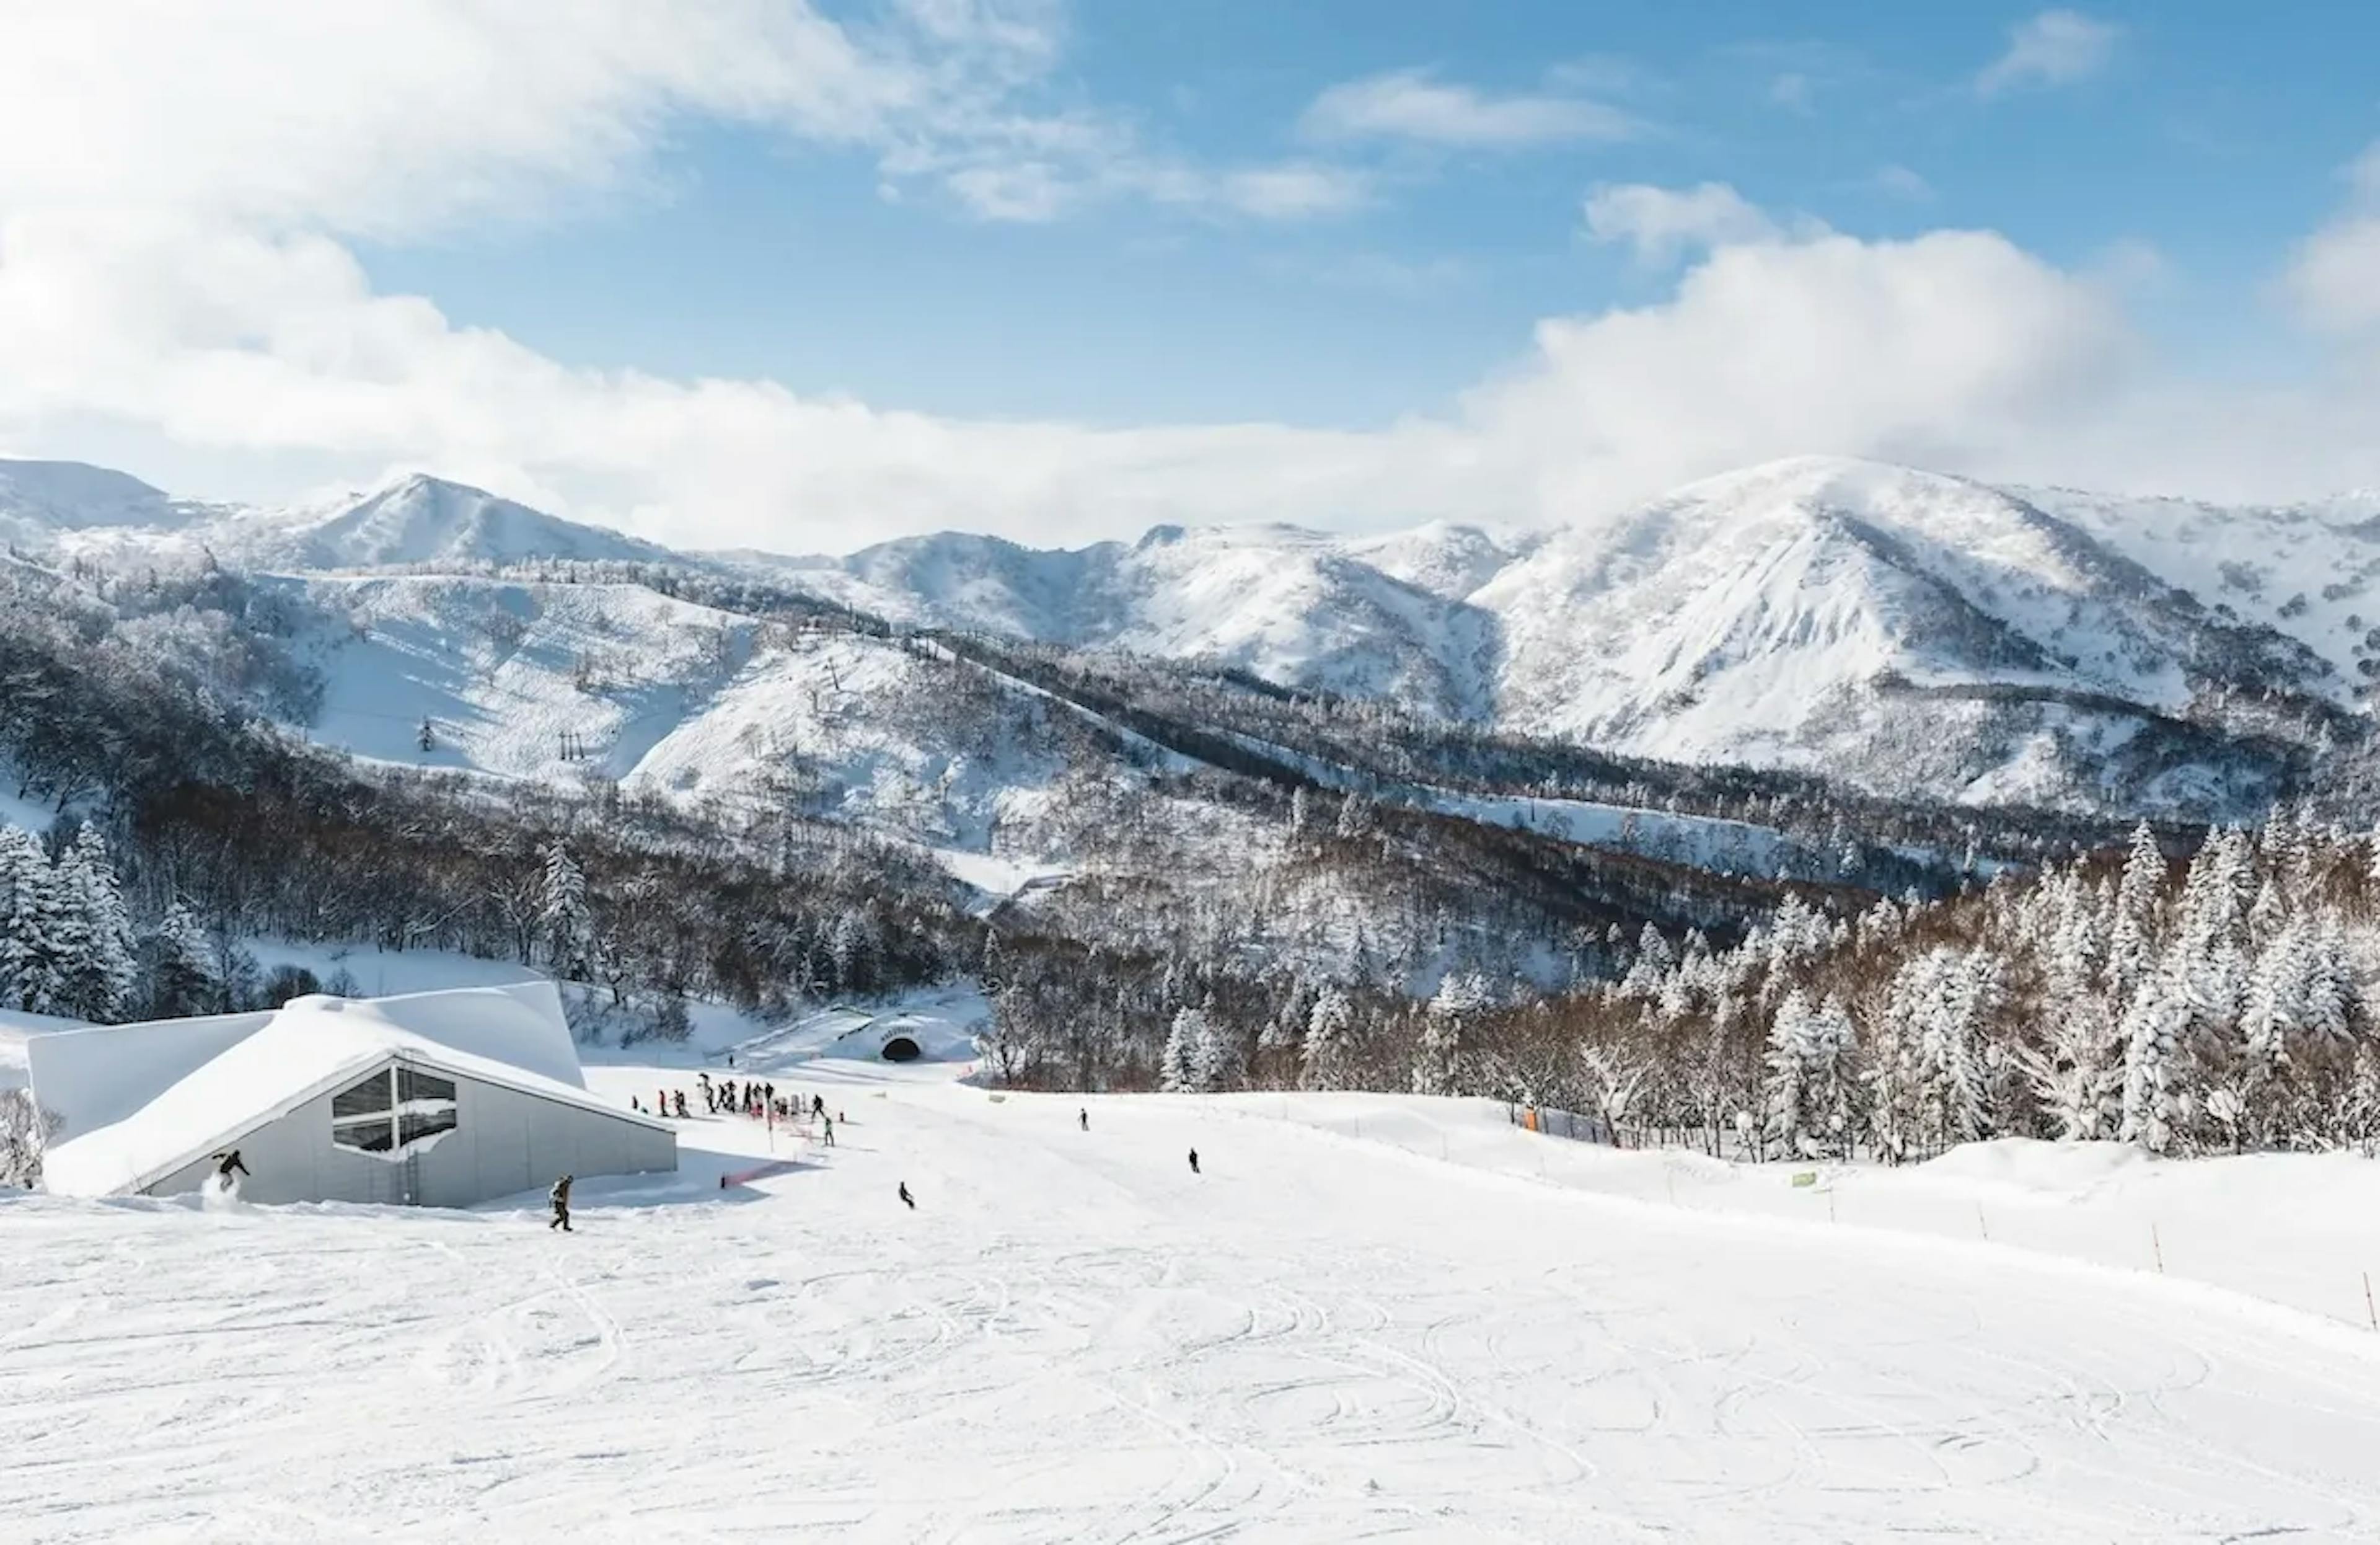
1438, 1057
182, 980
97, 963
1327, 1057
567, 919
41, 937
1786, 1067
16, 851
2131, 932
2153, 1078
1216, 1058
1180, 1073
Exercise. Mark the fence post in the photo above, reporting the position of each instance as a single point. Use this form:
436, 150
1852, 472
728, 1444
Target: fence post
2156, 1243
2368, 1310
1982, 1224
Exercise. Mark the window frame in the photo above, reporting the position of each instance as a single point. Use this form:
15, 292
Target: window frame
412, 1101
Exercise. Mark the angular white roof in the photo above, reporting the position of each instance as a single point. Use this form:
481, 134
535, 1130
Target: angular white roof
306, 1050
94, 1078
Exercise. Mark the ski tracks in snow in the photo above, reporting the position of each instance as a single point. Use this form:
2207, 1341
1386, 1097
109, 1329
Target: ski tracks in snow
1073, 1339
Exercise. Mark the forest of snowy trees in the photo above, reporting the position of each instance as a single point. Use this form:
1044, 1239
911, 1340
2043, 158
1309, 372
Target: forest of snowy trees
1228, 921
2197, 1006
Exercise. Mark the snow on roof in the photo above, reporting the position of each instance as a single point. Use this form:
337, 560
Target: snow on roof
95, 1078
309, 1046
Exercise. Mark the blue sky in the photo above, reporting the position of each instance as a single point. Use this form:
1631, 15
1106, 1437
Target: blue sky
760, 258
808, 272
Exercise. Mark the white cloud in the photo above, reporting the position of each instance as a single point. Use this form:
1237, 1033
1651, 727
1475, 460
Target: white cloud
1903, 183
1414, 105
186, 283
1793, 90
1662, 223
2055, 48
2334, 276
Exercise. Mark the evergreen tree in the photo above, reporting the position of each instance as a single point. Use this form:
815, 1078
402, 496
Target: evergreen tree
2131, 932
96, 964
1438, 1057
567, 922
1215, 1058
1328, 1054
182, 980
1180, 1071
2153, 1076
42, 936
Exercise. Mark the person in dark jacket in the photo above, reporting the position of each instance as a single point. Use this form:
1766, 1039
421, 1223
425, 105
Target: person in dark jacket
559, 1197
1085, 1117
227, 1165
907, 1200
1194, 1161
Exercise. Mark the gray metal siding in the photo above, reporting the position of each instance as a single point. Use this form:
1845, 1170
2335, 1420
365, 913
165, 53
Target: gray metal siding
504, 1142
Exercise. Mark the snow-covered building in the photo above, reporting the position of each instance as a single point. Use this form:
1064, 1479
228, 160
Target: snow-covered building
432, 1099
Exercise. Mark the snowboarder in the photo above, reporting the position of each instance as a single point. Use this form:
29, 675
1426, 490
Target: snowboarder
710, 1100
829, 1131
907, 1200
559, 1197
1085, 1116
1194, 1161
679, 1096
818, 1105
227, 1165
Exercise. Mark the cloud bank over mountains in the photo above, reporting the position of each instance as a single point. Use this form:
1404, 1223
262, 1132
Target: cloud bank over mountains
182, 194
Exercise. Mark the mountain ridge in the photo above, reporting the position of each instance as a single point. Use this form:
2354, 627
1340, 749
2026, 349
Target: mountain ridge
1912, 633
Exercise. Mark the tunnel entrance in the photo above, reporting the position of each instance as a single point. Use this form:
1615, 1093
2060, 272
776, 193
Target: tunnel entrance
900, 1049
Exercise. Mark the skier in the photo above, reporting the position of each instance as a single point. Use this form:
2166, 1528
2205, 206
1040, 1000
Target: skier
1085, 1116
679, 1096
817, 1104
559, 1197
710, 1100
1194, 1161
907, 1200
829, 1131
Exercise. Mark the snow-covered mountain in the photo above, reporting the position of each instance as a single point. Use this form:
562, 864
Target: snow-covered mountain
40, 500
413, 522
1912, 633
1925, 633
1367, 617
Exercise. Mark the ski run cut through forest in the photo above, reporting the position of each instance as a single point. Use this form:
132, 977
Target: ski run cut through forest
1836, 1004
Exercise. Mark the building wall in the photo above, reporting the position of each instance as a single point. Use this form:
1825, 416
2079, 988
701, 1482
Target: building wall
503, 1142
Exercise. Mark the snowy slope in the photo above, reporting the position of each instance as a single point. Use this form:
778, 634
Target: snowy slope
1373, 618
422, 520
574, 682
1916, 633
2311, 571
1073, 1338
1775, 615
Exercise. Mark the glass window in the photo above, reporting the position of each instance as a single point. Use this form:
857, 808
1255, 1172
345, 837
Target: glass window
372, 1135
391, 1111
415, 1126
368, 1098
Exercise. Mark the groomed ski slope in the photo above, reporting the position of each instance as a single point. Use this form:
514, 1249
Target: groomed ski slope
1073, 1338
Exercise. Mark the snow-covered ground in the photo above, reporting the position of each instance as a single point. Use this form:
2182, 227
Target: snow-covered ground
1074, 1338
